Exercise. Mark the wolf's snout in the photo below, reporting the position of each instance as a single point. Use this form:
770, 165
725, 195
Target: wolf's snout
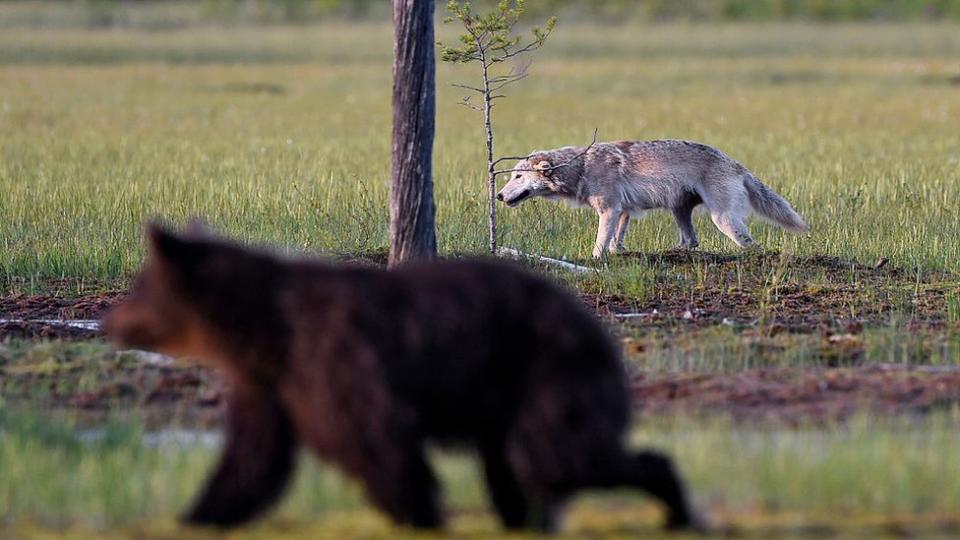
513, 199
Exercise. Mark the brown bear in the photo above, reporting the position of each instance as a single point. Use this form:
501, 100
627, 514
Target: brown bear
364, 366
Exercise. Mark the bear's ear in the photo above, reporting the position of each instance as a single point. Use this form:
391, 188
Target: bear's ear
164, 245
544, 167
197, 228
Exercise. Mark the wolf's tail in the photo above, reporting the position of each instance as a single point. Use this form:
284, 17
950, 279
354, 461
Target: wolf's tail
772, 206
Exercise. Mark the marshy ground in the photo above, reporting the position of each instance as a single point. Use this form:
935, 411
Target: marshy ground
812, 389
803, 396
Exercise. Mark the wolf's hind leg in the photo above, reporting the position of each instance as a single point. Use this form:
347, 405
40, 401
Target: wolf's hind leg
683, 215
734, 228
257, 460
616, 245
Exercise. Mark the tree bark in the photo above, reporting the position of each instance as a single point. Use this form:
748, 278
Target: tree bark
491, 175
412, 213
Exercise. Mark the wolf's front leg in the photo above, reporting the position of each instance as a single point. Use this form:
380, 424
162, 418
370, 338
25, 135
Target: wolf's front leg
606, 231
616, 244
257, 460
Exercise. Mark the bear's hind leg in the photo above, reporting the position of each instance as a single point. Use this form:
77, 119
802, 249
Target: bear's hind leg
648, 471
505, 493
568, 438
655, 474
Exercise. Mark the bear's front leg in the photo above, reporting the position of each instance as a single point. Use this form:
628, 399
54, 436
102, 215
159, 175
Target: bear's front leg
257, 460
400, 482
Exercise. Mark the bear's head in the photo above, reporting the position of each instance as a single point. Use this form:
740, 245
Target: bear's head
159, 312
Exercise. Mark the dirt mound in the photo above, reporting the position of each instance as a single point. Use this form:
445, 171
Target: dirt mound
33, 307
829, 263
787, 293
44, 330
800, 396
191, 396
690, 289
45, 317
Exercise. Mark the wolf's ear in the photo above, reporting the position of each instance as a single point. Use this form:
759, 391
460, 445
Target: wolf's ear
543, 167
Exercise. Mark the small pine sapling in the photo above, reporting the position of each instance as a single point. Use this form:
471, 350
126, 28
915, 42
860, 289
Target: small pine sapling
490, 40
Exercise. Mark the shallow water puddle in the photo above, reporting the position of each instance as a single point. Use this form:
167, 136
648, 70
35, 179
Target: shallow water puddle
151, 358
83, 324
166, 438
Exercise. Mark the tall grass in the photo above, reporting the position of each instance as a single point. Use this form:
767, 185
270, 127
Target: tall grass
870, 468
185, 13
855, 125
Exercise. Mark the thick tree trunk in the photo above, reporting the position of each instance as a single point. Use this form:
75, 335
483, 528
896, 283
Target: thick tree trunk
412, 228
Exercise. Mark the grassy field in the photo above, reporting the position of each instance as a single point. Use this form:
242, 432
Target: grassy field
867, 475
280, 134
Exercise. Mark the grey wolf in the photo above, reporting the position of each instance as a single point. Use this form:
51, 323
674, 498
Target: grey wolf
626, 178
364, 367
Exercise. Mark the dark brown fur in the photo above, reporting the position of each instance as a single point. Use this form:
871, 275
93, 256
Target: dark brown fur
363, 367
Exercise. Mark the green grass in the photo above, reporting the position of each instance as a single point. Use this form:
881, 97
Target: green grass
282, 135
185, 13
871, 470
71, 470
721, 349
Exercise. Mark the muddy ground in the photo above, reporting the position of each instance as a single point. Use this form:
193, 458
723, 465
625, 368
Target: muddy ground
760, 295
690, 289
783, 293
187, 396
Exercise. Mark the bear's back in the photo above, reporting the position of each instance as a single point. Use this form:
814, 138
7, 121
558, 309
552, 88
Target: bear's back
464, 342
